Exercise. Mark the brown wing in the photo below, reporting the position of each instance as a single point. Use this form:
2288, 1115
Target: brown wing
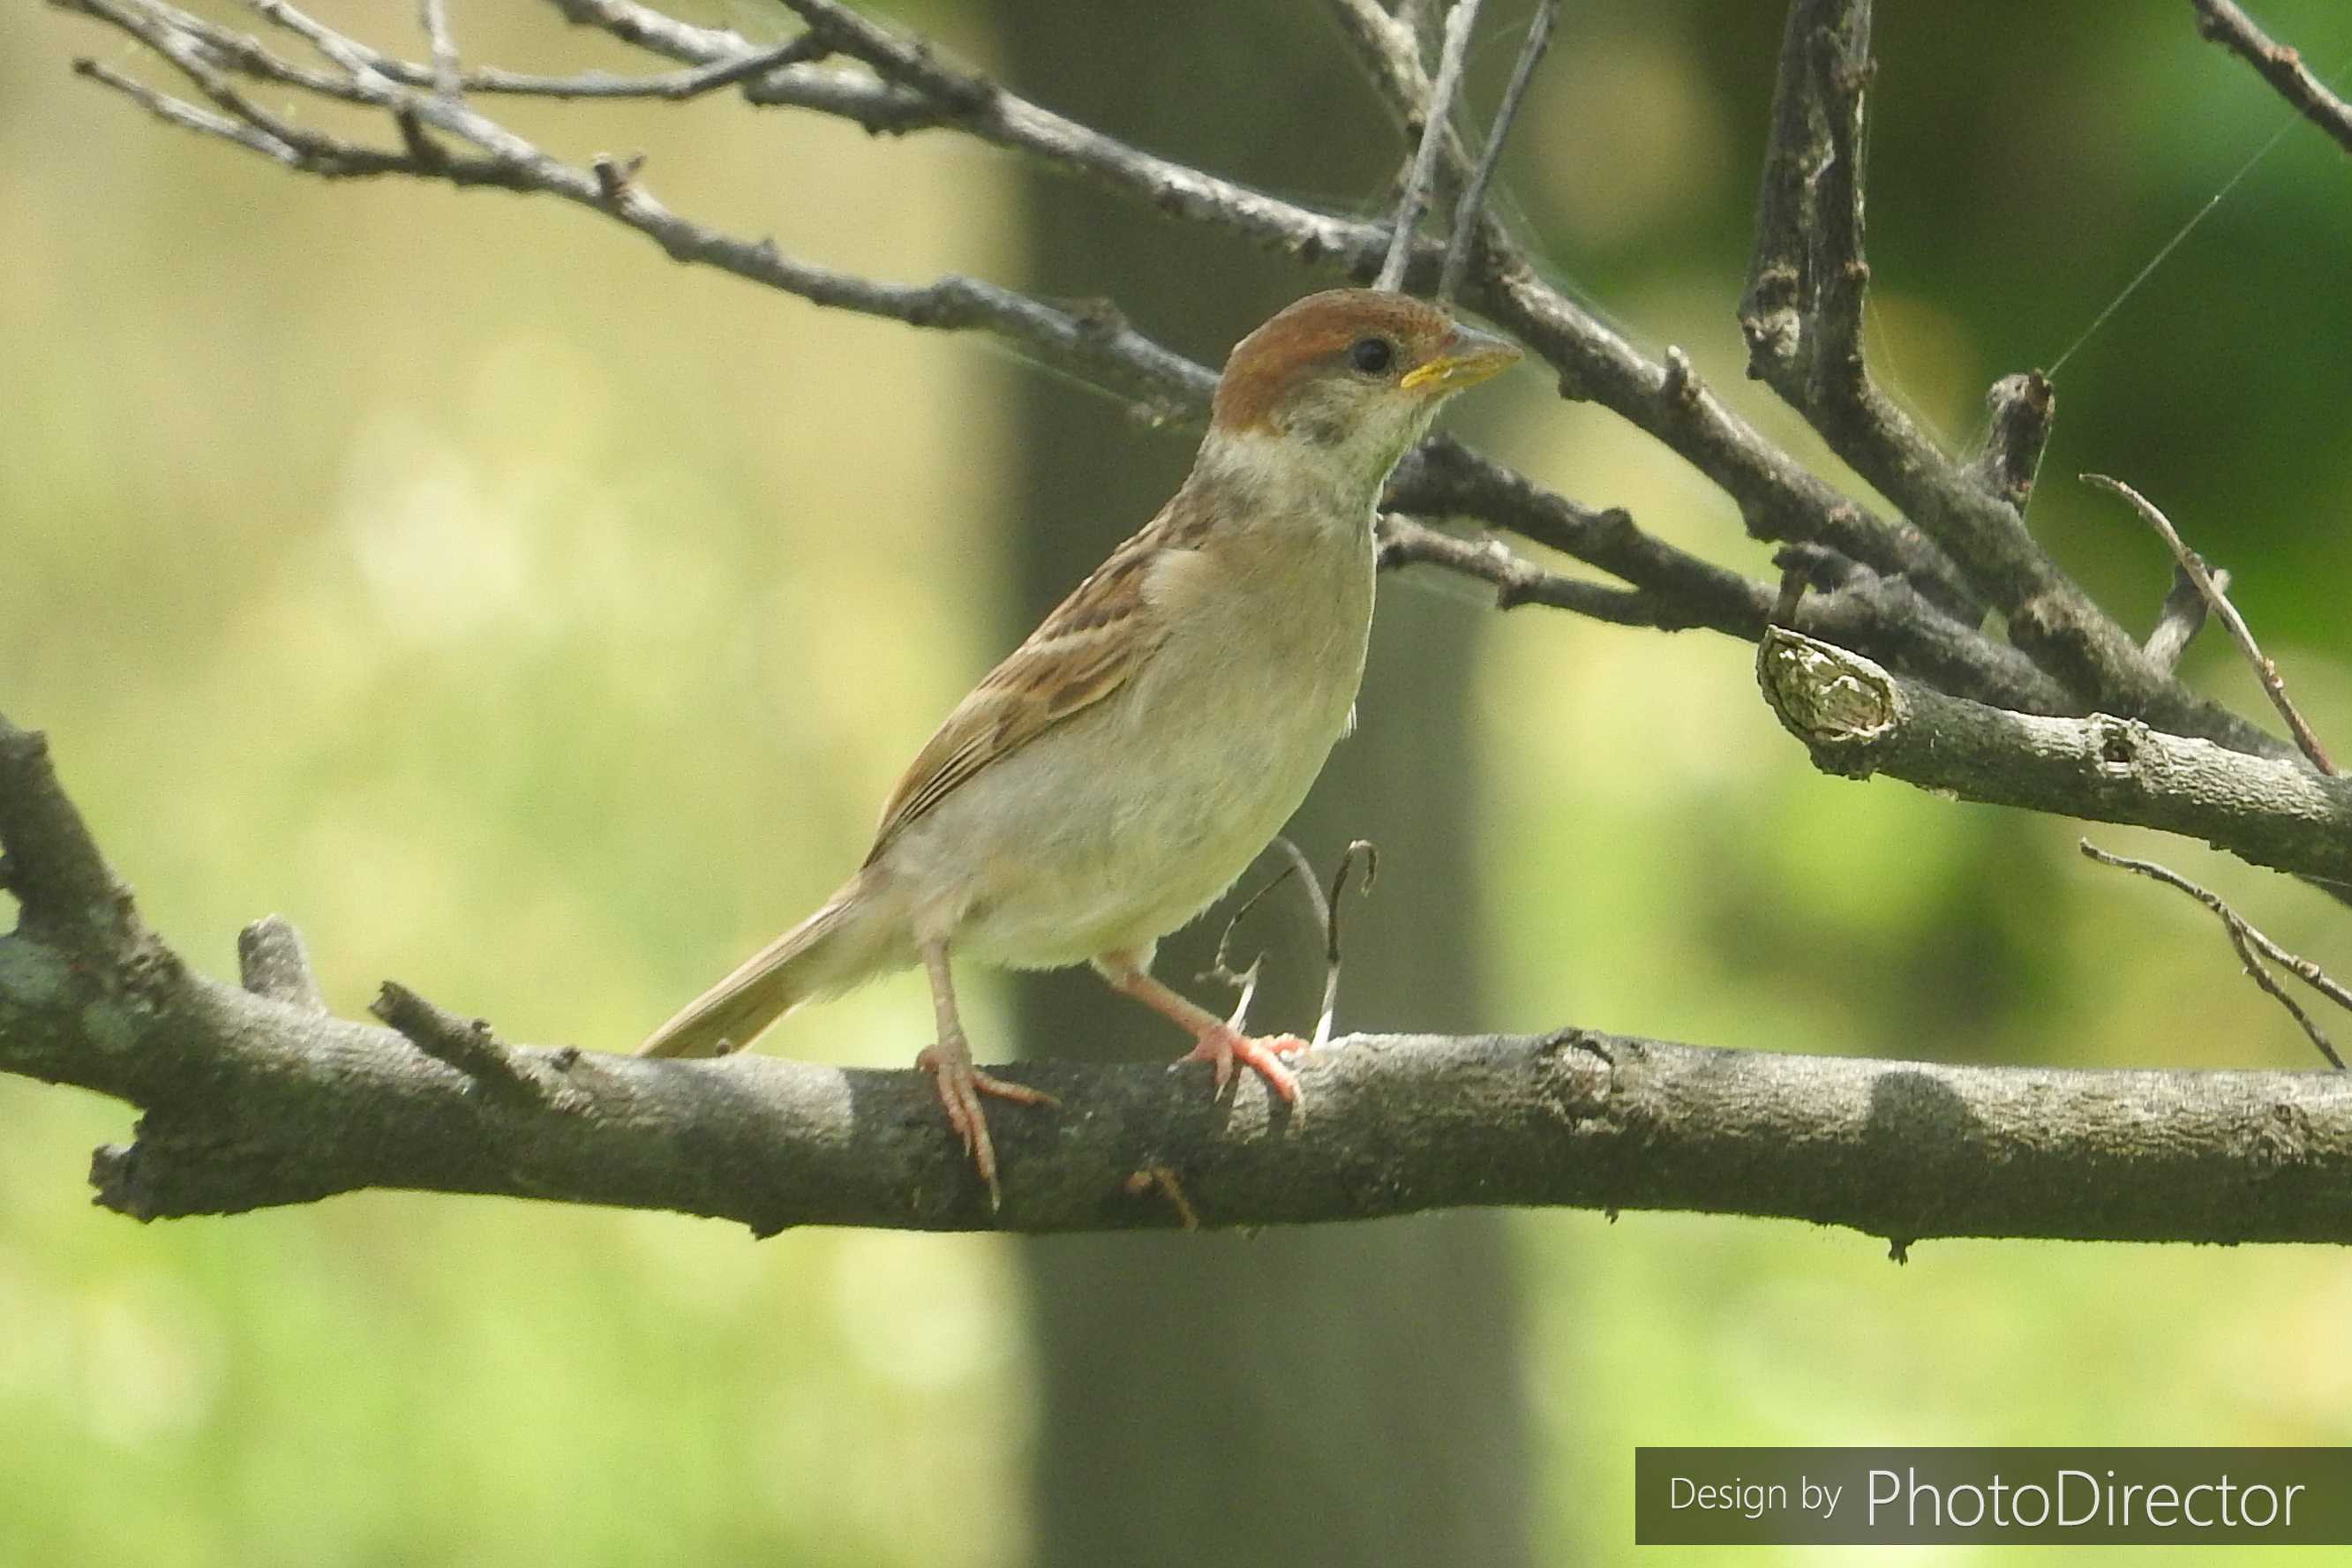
1081, 654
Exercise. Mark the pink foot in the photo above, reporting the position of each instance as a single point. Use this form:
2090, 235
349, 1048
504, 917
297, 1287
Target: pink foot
961, 1086
1224, 1045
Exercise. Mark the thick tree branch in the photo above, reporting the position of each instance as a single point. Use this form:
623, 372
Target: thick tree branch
252, 1101
1858, 719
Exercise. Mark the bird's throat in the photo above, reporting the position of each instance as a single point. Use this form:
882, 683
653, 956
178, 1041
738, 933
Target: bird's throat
1289, 484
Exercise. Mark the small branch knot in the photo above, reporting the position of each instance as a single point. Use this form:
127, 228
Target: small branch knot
1680, 386
615, 176
1826, 696
273, 962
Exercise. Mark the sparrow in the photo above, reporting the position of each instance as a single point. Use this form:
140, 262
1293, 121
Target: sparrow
1122, 767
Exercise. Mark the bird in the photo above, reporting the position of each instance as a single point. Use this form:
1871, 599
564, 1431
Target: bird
1120, 769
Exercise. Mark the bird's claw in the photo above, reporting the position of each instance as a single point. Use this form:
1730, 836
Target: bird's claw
1223, 1046
961, 1086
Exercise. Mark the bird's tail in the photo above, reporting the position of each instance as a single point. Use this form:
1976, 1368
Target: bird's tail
831, 950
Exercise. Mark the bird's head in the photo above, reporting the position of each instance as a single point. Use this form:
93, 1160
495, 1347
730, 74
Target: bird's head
1348, 381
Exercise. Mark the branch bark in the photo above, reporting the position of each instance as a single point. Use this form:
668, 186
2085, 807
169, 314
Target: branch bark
1857, 719
252, 1101
2222, 22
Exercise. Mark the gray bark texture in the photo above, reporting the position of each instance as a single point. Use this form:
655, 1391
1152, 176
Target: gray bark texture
1858, 719
253, 1100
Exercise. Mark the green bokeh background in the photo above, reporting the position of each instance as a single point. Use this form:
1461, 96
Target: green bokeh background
537, 621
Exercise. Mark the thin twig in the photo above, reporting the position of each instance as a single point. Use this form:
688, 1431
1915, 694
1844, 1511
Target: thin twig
466, 1044
1405, 543
186, 115
1325, 908
2248, 942
1472, 207
2191, 563
2282, 66
1370, 856
434, 14
1221, 969
1415, 198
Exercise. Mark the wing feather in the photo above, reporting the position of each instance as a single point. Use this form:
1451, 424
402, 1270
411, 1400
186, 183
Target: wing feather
1081, 652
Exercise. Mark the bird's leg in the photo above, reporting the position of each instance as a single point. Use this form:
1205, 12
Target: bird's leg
961, 1084
1215, 1042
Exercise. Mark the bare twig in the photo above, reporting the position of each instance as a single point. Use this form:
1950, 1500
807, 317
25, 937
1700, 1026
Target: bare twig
2223, 22
2252, 946
1439, 110
1405, 542
1166, 386
1221, 967
1388, 48
1802, 314
466, 1044
186, 116
1838, 66
1325, 910
1366, 851
1471, 209
434, 15
2191, 563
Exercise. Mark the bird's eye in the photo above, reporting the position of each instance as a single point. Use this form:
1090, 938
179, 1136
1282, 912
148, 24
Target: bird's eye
1371, 355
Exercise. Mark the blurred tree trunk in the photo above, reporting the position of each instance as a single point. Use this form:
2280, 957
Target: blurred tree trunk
1343, 1395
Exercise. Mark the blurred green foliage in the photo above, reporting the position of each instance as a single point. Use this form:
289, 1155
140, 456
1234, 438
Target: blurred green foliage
539, 623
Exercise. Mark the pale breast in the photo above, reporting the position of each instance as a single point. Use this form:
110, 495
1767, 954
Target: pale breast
1123, 823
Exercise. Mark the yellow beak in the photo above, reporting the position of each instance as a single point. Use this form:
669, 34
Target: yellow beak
1468, 358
